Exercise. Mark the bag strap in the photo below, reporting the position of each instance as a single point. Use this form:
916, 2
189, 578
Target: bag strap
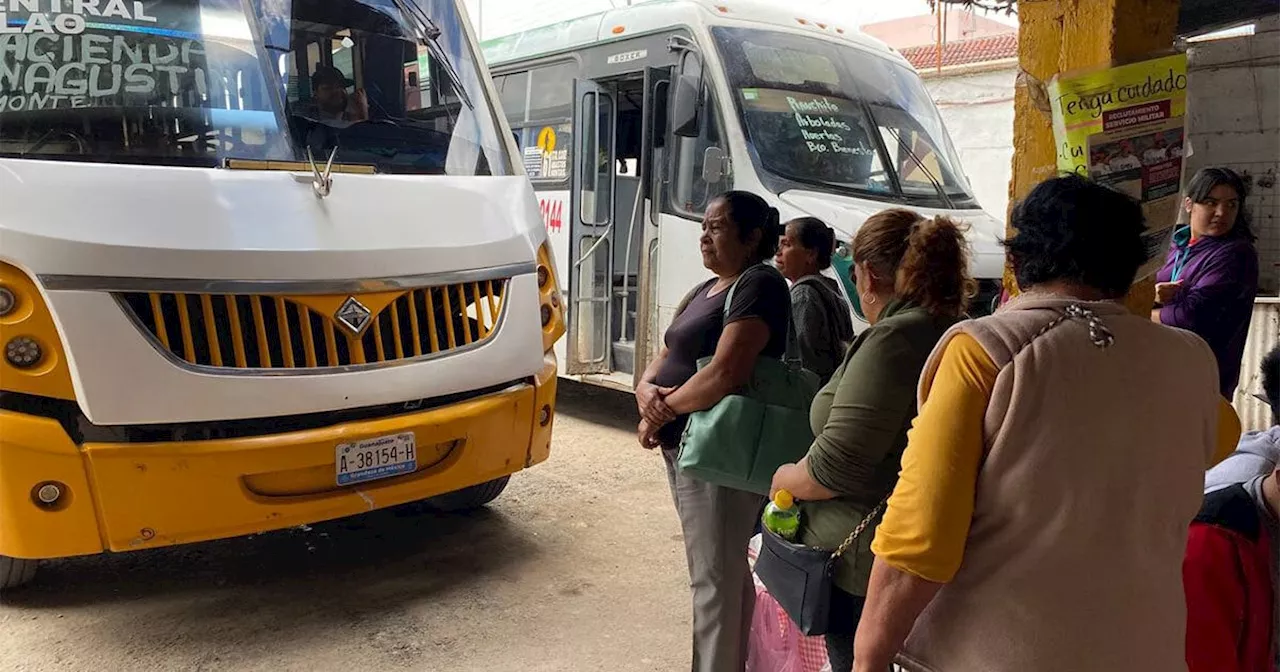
831, 301
787, 355
857, 531
728, 299
684, 303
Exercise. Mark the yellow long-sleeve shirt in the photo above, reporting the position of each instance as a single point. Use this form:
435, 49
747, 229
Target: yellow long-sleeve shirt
927, 521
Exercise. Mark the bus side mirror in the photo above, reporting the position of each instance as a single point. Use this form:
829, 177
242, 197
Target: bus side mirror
715, 165
685, 106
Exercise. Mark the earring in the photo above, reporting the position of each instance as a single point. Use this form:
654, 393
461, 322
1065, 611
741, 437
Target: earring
871, 300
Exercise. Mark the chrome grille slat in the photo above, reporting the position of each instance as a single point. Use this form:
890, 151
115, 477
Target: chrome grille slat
264, 332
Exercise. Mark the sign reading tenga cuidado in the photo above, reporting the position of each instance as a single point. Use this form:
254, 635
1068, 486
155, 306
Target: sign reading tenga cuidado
1123, 127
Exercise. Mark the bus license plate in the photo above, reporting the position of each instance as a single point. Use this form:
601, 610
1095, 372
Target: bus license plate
371, 459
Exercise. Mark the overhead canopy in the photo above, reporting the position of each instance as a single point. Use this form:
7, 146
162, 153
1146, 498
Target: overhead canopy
1196, 17
1202, 16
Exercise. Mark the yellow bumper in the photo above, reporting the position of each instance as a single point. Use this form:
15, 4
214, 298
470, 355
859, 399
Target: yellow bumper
122, 497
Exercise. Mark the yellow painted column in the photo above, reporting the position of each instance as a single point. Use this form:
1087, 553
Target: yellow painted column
1059, 36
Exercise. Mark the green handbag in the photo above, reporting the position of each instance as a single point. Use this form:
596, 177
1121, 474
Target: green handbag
741, 441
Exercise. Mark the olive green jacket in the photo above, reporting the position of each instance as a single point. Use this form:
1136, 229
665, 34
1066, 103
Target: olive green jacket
860, 419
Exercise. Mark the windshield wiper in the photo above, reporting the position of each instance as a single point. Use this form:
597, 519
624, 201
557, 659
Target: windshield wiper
937, 186
429, 36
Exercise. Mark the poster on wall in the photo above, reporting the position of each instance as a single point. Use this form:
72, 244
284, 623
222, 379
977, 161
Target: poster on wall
1124, 127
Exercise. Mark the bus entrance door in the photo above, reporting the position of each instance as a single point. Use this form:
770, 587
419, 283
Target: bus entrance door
591, 230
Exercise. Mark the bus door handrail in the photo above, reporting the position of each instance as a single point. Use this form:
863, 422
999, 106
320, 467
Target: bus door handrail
626, 261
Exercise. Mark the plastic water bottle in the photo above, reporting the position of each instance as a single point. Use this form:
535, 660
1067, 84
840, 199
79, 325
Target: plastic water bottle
782, 516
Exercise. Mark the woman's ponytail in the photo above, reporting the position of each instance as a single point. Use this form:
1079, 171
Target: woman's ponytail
934, 271
772, 233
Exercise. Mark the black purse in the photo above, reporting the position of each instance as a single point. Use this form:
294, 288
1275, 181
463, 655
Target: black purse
799, 577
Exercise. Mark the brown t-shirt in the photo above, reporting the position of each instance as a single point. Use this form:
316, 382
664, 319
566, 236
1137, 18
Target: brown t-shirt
761, 293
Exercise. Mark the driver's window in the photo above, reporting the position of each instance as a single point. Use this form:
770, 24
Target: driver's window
327, 90
347, 78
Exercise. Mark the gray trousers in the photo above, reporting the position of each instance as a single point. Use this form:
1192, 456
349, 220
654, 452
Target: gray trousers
718, 523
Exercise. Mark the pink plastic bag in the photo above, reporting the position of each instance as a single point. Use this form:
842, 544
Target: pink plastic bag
774, 647
776, 643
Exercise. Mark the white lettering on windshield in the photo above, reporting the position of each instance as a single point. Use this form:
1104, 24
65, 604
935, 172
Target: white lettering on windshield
55, 16
819, 126
40, 72
806, 121
820, 105
804, 108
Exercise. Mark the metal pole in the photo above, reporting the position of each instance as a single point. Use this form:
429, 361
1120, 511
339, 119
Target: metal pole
938, 42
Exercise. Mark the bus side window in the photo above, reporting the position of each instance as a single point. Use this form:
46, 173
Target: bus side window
689, 193
538, 104
513, 95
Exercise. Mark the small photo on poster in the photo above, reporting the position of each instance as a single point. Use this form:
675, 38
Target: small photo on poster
1147, 166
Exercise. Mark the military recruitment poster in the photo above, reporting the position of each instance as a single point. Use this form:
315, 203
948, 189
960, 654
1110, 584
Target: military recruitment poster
1123, 127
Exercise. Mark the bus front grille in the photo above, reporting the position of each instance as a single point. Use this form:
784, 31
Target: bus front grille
264, 332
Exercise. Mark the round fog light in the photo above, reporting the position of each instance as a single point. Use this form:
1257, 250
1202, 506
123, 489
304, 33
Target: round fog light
543, 276
23, 352
546, 314
49, 493
7, 301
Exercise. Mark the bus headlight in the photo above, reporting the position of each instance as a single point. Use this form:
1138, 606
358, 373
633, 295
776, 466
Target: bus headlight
552, 308
7, 301
33, 361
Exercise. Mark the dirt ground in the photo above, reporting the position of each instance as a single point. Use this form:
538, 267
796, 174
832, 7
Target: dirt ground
577, 567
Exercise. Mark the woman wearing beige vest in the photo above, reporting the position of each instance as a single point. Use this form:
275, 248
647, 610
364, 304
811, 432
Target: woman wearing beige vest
1041, 515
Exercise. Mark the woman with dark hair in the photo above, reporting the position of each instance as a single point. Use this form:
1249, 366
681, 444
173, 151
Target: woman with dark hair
1210, 280
912, 278
739, 232
823, 328
1041, 514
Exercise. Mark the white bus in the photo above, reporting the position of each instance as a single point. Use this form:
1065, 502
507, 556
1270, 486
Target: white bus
262, 263
630, 120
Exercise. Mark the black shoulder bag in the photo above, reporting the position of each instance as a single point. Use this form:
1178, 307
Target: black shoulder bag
799, 577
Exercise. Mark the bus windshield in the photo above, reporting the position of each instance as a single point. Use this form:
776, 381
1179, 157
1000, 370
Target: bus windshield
391, 85
822, 115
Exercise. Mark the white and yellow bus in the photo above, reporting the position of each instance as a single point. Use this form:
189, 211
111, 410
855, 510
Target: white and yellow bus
262, 263
630, 120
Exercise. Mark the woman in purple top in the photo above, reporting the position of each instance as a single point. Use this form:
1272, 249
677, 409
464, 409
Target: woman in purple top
1210, 280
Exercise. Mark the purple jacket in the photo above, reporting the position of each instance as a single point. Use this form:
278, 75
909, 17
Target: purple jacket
1219, 284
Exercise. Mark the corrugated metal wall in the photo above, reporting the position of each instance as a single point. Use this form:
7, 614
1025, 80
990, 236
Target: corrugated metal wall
1264, 334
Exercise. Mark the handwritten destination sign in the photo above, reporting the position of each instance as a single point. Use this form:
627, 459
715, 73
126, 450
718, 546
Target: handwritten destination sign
822, 123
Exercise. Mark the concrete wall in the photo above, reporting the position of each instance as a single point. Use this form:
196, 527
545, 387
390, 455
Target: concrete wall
977, 108
1233, 102
1233, 120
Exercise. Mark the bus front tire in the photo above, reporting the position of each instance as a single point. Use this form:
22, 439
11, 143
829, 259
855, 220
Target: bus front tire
470, 498
15, 571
